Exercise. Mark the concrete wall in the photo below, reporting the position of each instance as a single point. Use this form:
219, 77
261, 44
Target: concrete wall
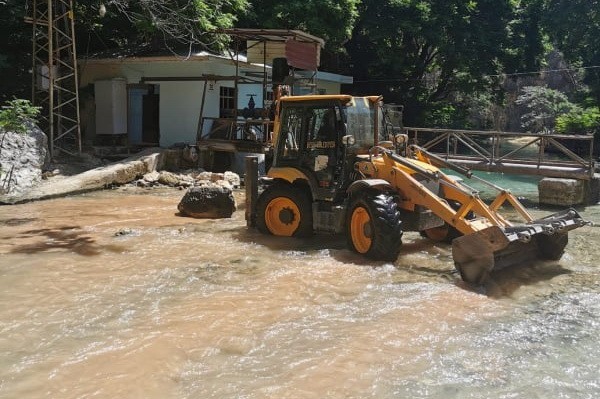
561, 192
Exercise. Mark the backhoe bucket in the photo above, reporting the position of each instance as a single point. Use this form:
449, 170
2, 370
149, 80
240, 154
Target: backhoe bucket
477, 255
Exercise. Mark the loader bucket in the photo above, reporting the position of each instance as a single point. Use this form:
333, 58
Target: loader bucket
478, 254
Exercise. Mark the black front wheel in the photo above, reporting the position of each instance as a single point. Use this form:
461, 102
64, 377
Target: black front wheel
374, 227
284, 210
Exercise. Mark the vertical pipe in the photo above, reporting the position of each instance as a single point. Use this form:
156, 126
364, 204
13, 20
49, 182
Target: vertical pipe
251, 183
51, 76
33, 53
237, 75
591, 159
541, 151
201, 117
264, 78
376, 123
75, 74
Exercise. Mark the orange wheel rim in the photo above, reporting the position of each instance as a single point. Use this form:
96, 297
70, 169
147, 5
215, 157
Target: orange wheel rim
282, 216
360, 230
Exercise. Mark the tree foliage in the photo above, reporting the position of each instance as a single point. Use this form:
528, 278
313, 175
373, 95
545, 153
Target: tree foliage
16, 113
159, 24
574, 27
423, 52
579, 121
544, 105
433, 56
331, 20
528, 41
15, 51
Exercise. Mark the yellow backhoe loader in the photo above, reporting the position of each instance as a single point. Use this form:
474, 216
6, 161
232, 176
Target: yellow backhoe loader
340, 166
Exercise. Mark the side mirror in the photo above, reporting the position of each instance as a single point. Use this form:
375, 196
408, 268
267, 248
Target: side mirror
348, 140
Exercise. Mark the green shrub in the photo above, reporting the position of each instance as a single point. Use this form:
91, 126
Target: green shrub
579, 121
544, 106
446, 115
16, 113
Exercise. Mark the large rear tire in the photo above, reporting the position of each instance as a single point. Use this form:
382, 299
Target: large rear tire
284, 210
374, 227
444, 233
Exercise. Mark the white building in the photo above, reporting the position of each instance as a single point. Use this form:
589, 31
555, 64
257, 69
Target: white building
159, 100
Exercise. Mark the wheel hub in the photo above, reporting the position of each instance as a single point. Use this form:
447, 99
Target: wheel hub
286, 216
367, 231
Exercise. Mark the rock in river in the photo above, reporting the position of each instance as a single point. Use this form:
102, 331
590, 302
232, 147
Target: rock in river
210, 202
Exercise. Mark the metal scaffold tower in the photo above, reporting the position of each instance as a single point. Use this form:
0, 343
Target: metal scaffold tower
55, 80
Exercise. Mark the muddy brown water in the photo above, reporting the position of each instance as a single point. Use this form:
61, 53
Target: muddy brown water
111, 295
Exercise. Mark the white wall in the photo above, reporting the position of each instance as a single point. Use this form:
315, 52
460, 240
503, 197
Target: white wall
180, 104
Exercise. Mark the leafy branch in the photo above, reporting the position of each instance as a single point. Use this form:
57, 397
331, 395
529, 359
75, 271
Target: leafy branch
16, 114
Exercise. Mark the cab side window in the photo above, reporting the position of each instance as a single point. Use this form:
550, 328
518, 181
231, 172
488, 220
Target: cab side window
291, 133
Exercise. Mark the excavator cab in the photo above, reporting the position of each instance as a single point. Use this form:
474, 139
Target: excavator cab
318, 134
310, 144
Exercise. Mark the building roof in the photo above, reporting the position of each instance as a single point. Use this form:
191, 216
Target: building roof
145, 54
273, 35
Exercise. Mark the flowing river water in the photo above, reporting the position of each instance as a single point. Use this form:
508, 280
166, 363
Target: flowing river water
111, 295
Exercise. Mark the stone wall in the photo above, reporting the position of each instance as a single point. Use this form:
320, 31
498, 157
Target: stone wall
561, 192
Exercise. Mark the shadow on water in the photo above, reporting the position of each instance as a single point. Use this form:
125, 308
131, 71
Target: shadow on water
502, 283
69, 238
338, 249
505, 282
16, 221
315, 242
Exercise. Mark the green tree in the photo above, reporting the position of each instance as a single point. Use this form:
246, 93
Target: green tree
178, 25
181, 25
16, 114
579, 121
330, 20
421, 53
528, 42
544, 105
574, 27
15, 51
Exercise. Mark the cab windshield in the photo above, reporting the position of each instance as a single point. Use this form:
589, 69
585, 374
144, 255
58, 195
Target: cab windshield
360, 122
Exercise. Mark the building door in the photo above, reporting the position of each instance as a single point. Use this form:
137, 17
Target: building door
143, 114
150, 119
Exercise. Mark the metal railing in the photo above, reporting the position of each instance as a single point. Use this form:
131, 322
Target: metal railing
552, 155
258, 130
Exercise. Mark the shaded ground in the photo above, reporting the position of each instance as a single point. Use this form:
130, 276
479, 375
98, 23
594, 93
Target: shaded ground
69, 165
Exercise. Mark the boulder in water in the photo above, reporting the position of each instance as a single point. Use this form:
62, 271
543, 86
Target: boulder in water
207, 202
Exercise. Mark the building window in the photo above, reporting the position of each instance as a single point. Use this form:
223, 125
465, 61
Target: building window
226, 101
